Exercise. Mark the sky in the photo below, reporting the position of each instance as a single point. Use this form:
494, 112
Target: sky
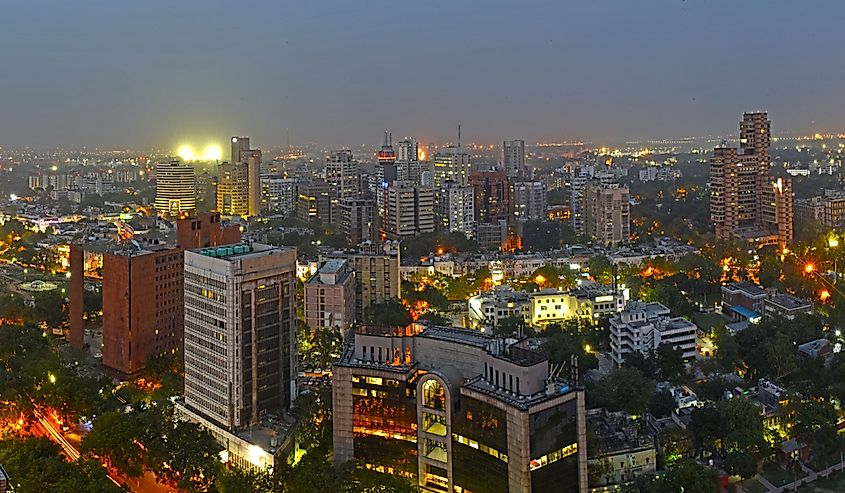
156, 73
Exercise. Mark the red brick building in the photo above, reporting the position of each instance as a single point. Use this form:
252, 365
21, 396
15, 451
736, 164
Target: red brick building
205, 230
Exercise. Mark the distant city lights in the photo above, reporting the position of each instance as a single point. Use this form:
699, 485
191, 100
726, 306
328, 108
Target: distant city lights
212, 152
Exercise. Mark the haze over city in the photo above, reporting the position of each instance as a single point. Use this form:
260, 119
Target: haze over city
152, 74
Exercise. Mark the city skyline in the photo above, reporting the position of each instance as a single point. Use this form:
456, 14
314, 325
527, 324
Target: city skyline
600, 72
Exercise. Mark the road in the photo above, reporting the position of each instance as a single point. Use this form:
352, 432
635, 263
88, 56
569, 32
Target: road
145, 484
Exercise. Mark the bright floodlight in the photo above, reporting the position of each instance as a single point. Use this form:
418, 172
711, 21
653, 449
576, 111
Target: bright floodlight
213, 153
186, 153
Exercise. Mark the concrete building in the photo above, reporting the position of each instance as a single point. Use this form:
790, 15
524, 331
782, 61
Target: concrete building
343, 174
233, 189
451, 163
142, 306
314, 202
826, 210
239, 145
409, 210
528, 199
358, 219
746, 201
643, 327
330, 296
455, 410
607, 214
176, 188
786, 306
376, 274
743, 301
240, 333
492, 196
488, 308
619, 447
455, 208
205, 230
491, 235
5, 487
279, 195
252, 159
513, 159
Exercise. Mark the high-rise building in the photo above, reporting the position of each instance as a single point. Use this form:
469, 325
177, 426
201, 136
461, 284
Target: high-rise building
513, 159
357, 220
330, 296
314, 202
409, 151
492, 196
528, 199
205, 230
279, 195
176, 188
455, 208
607, 214
344, 174
746, 201
240, 333
457, 410
142, 306
252, 159
376, 274
386, 170
233, 189
409, 210
239, 146
451, 163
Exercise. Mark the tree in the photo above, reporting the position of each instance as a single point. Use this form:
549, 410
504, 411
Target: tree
116, 436
677, 444
780, 353
624, 388
740, 464
815, 425
670, 363
601, 269
705, 425
390, 313
741, 427
727, 350
662, 404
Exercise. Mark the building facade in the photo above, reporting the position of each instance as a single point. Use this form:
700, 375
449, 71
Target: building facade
176, 188
409, 210
376, 275
451, 163
529, 200
314, 202
358, 219
455, 208
240, 332
607, 214
233, 189
643, 327
330, 296
513, 159
454, 410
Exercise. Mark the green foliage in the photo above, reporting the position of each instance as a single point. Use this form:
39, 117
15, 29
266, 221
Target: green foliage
662, 404
623, 389
685, 476
390, 313
740, 426
815, 424
676, 444
740, 464
601, 269
36, 465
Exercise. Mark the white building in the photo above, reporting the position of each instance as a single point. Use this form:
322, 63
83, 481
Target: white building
408, 210
176, 188
240, 333
279, 194
642, 327
451, 163
529, 200
455, 208
513, 158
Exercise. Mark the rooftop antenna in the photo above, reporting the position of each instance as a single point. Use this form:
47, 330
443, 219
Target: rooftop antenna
385, 138
459, 135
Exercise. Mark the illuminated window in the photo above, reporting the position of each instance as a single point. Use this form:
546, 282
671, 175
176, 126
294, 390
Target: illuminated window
434, 395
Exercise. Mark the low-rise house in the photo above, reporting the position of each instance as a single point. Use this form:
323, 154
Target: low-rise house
617, 450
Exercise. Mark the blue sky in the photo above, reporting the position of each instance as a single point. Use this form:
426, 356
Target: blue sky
154, 73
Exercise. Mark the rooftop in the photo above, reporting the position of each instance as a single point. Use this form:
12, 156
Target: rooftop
462, 336
747, 287
788, 302
521, 402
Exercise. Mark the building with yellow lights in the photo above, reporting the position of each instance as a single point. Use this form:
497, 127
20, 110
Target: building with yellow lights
438, 405
233, 190
176, 188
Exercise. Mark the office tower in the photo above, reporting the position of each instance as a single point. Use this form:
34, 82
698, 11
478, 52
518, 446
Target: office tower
279, 195
239, 146
206, 191
252, 159
492, 196
205, 230
357, 220
409, 151
409, 210
343, 174
529, 200
455, 208
607, 214
240, 333
176, 188
314, 202
451, 163
513, 159
457, 410
643, 327
142, 306
386, 170
330, 296
742, 189
233, 190
376, 274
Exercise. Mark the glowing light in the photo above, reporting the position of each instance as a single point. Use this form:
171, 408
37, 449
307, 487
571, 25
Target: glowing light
824, 295
186, 153
51, 377
833, 241
213, 153
540, 279
13, 197
54, 168
809, 268
421, 154
587, 348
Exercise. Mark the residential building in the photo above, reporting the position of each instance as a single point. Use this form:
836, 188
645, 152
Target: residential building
491, 235
643, 327
438, 405
233, 189
826, 210
455, 208
358, 220
528, 199
176, 188
279, 195
746, 201
487, 309
451, 163
376, 274
343, 174
252, 159
786, 306
551, 306
240, 333
607, 214
386, 170
330, 296
513, 159
743, 301
619, 448
240, 145
205, 230
409, 210
314, 202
